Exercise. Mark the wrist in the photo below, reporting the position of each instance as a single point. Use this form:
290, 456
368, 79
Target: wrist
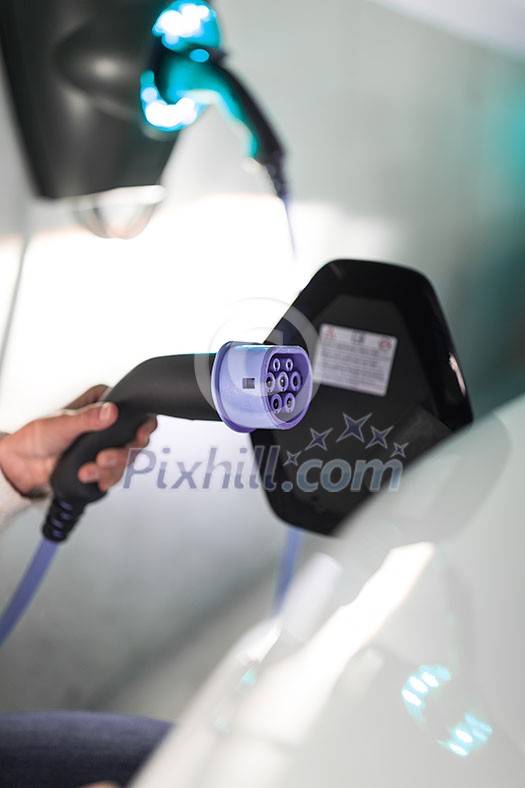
5, 464
20, 482
3, 470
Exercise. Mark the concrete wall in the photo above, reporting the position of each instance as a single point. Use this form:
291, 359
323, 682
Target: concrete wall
406, 145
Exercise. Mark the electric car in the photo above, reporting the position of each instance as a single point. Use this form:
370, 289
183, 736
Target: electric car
396, 659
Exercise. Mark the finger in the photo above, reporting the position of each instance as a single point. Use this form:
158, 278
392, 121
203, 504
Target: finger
112, 458
91, 473
109, 479
88, 473
88, 397
145, 430
143, 434
111, 464
60, 431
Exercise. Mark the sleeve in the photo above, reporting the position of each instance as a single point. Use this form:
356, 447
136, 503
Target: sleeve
11, 502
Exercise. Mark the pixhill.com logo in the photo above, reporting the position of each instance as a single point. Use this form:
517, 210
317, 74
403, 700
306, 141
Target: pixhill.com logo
337, 474
305, 473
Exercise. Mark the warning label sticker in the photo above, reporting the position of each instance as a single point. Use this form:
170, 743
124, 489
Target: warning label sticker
354, 360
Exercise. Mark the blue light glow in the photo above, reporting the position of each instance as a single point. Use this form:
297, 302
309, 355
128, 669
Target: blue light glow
429, 679
164, 116
149, 94
412, 698
185, 24
477, 724
463, 735
457, 749
199, 55
467, 735
479, 736
189, 28
250, 678
418, 685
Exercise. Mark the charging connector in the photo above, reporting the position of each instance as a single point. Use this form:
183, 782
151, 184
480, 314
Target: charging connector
252, 386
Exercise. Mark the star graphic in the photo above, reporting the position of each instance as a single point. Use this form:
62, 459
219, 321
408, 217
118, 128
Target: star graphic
399, 449
379, 437
291, 459
319, 439
353, 428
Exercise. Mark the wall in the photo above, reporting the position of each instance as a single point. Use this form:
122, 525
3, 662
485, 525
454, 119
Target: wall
407, 145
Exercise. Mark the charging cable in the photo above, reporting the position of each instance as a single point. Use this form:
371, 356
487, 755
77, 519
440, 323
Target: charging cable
246, 386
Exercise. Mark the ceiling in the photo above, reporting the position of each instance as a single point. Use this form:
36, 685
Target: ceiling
497, 23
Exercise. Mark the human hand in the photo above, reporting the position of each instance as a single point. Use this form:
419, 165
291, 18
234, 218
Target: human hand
28, 456
102, 785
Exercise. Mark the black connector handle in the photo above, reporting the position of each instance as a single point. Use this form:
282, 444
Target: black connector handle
165, 386
242, 106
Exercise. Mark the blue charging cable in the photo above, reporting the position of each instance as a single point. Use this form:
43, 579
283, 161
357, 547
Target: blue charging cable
290, 559
45, 553
27, 588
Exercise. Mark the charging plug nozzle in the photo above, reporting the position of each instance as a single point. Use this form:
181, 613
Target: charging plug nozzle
261, 386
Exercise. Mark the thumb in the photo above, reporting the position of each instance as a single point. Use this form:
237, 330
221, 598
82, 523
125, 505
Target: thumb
66, 427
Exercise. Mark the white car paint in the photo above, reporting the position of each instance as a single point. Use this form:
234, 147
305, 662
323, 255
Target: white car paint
398, 660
